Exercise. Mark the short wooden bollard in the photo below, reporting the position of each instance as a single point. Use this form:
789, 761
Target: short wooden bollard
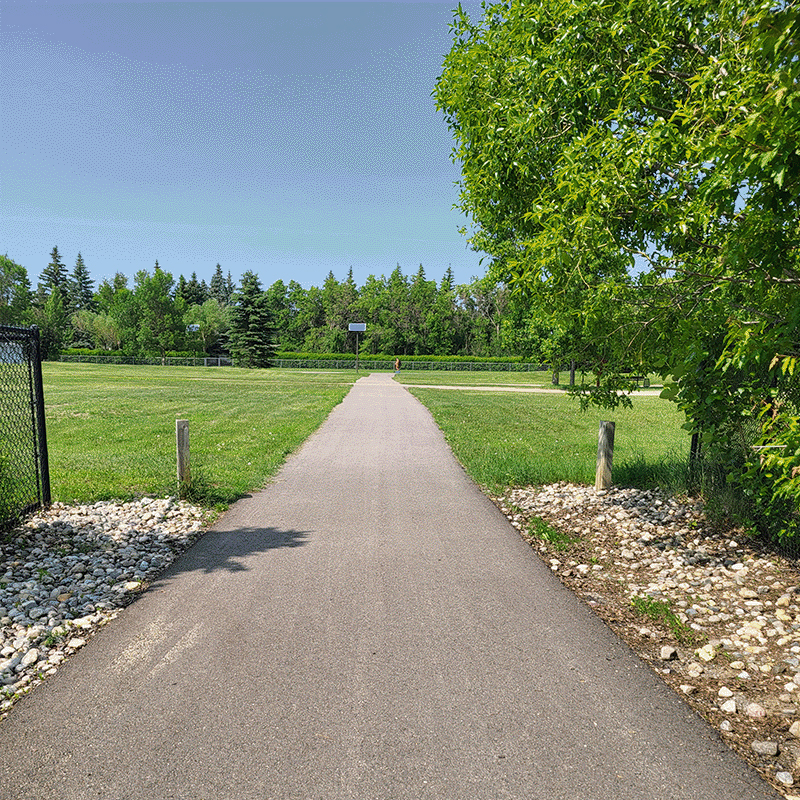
182, 439
605, 457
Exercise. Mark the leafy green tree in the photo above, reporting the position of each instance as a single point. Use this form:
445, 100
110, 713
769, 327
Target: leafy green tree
52, 321
665, 133
117, 323
338, 301
160, 315
422, 297
484, 303
311, 318
108, 290
395, 314
213, 321
294, 335
251, 331
15, 292
444, 322
368, 310
83, 327
283, 314
107, 331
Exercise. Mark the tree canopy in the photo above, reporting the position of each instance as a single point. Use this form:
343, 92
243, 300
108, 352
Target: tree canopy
660, 141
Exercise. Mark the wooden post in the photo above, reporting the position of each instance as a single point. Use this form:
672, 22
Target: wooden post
182, 439
605, 456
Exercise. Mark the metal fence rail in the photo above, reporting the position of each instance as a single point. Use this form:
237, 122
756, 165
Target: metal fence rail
314, 363
169, 361
24, 470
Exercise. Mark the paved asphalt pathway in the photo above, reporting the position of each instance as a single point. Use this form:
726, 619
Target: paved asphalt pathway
369, 626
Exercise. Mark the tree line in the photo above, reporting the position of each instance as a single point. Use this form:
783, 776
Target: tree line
156, 314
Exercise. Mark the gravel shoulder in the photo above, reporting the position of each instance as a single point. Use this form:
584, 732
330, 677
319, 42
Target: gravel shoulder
715, 614
68, 570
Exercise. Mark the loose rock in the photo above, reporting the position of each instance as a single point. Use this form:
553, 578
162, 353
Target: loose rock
671, 582
70, 569
765, 748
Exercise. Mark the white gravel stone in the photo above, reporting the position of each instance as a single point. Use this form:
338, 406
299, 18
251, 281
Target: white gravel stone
668, 653
70, 569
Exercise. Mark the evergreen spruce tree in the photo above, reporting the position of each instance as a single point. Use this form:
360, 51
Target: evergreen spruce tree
251, 334
230, 288
217, 287
182, 291
194, 293
80, 295
54, 274
448, 281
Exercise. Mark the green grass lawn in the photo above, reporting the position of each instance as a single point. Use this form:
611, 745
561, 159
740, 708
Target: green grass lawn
111, 428
445, 377
506, 439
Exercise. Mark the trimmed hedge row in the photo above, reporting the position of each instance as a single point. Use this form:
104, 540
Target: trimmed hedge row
315, 361
404, 359
454, 363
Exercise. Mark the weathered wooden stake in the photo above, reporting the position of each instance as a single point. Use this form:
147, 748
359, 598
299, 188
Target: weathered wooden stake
605, 456
182, 439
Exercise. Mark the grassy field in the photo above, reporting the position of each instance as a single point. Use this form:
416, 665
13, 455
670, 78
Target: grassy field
111, 428
443, 377
508, 439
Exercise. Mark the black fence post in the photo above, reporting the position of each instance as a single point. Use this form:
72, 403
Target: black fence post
695, 453
41, 428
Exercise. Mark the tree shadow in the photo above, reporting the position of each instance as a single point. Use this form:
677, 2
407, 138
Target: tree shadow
226, 550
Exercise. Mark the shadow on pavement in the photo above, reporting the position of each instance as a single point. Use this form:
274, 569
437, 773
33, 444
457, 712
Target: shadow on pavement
227, 550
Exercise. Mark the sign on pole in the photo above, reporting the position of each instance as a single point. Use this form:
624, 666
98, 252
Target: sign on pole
357, 327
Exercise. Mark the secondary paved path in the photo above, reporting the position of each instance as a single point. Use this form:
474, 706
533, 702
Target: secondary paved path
371, 627
514, 387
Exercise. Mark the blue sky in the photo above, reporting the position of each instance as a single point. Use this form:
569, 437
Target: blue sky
285, 138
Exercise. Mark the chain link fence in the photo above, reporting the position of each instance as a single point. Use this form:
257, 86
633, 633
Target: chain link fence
24, 471
169, 361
